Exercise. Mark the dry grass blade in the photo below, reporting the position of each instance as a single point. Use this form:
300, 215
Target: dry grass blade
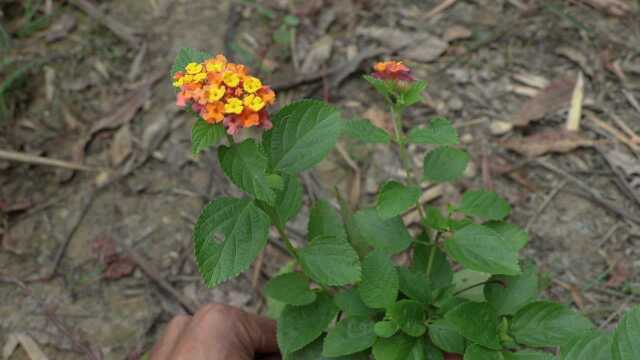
554, 97
575, 112
635, 146
547, 141
39, 160
28, 344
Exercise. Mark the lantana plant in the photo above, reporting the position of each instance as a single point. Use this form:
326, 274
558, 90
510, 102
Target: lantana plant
463, 294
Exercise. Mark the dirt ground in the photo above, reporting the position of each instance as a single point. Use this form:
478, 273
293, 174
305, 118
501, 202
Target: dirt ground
94, 262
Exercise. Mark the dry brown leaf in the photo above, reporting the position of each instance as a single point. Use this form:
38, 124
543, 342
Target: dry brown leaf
554, 97
628, 166
28, 344
155, 133
619, 275
121, 145
547, 141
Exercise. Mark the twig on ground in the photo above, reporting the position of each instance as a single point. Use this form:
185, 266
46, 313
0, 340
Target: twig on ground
39, 160
119, 29
439, 8
622, 181
545, 203
613, 131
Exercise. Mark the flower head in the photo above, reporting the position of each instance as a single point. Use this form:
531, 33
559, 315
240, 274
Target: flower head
224, 92
392, 70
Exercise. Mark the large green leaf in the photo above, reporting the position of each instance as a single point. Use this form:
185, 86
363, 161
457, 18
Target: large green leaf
410, 315
528, 355
438, 132
204, 135
388, 235
477, 322
290, 288
477, 352
415, 285
516, 237
394, 198
349, 336
626, 338
186, 56
486, 205
480, 248
313, 351
446, 337
435, 220
547, 324
351, 304
246, 166
445, 164
325, 221
380, 283
507, 294
363, 130
330, 260
594, 345
275, 307
303, 134
300, 325
245, 229
397, 347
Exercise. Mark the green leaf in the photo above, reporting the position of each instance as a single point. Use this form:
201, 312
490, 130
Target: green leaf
303, 134
245, 229
413, 93
528, 355
186, 56
300, 325
434, 219
330, 261
486, 205
313, 351
440, 274
365, 131
350, 303
415, 285
384, 88
477, 322
480, 248
507, 294
289, 200
245, 165
291, 288
438, 132
516, 237
547, 324
275, 307
444, 335
379, 286
626, 337
204, 135
466, 278
409, 314
397, 347
325, 221
388, 235
394, 199
477, 352
445, 163
386, 328
349, 336
594, 345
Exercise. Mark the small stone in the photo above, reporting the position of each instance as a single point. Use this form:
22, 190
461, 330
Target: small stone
499, 127
455, 104
466, 138
471, 170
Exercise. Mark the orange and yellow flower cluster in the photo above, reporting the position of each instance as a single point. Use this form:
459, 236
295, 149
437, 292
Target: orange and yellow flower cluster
392, 70
225, 92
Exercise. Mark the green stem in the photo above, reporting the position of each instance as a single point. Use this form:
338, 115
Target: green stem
432, 253
230, 139
287, 243
479, 284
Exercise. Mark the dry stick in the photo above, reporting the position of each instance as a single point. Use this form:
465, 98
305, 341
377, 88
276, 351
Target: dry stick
148, 269
592, 194
440, 8
613, 131
39, 160
119, 29
544, 204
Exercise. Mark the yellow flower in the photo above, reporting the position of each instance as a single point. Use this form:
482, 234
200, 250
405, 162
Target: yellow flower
251, 84
231, 79
199, 77
217, 64
254, 103
179, 82
233, 106
193, 68
187, 79
216, 93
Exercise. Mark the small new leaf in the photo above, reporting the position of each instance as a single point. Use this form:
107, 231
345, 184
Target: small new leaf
440, 131
486, 205
445, 164
394, 199
290, 288
363, 130
412, 94
204, 135
386, 328
409, 314
380, 283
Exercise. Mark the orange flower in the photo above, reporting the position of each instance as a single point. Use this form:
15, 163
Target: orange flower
213, 112
392, 70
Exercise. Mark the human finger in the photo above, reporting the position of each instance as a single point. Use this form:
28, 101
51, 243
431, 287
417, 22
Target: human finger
163, 348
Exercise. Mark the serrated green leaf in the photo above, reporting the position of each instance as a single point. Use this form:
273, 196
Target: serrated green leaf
594, 345
300, 325
410, 315
329, 260
204, 135
486, 205
246, 167
186, 56
507, 294
325, 221
434, 219
415, 285
275, 307
384, 88
291, 288
445, 336
440, 131
397, 347
388, 235
547, 324
445, 163
386, 328
626, 337
349, 336
245, 229
289, 200
516, 237
477, 322
303, 134
380, 283
440, 274
477, 352
528, 355
412, 94
313, 351
480, 248
394, 199
365, 131
351, 304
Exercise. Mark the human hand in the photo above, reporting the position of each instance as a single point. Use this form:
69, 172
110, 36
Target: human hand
217, 332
